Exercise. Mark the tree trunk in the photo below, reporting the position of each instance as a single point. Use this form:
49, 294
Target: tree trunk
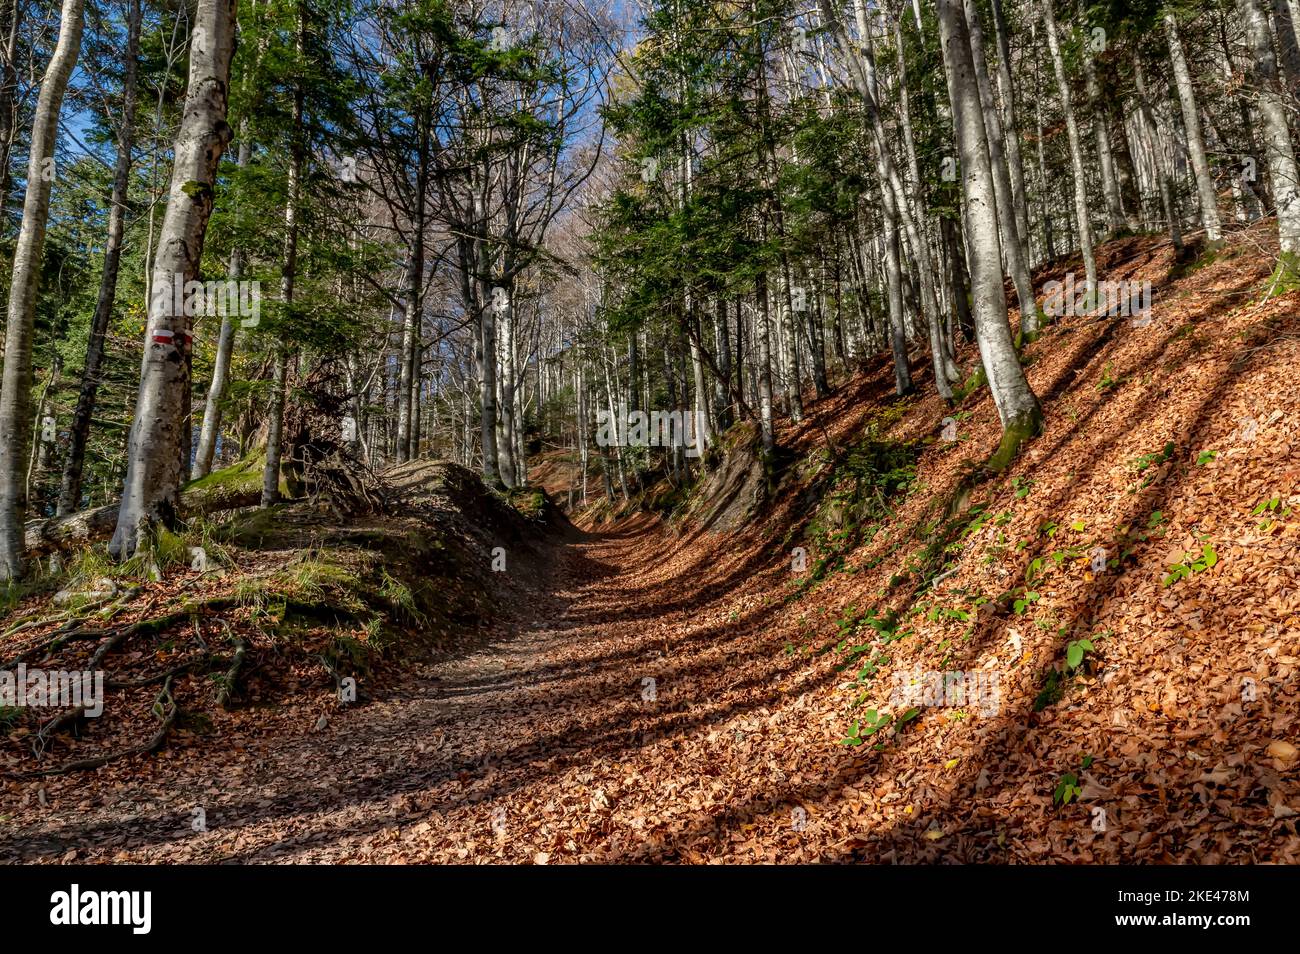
15, 397
211, 426
508, 467
1076, 150
154, 475
1164, 179
1049, 243
407, 401
957, 277
487, 351
1017, 406
935, 324
722, 390
1287, 44
1015, 161
1012, 247
1105, 159
11, 15
1192, 126
288, 277
74, 463
862, 61
1277, 138
763, 332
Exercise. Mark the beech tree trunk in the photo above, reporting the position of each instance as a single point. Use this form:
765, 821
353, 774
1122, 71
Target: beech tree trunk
1164, 178
1192, 126
288, 279
154, 474
407, 437
1007, 93
1012, 249
11, 15
1105, 159
762, 330
1076, 148
1277, 138
1287, 44
1017, 406
211, 426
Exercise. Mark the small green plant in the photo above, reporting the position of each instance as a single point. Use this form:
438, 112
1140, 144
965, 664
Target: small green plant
937, 613
1192, 562
886, 626
1205, 456
862, 729
1070, 553
1075, 651
1053, 689
1147, 460
1108, 380
1274, 507
1024, 602
982, 519
847, 624
908, 716
1067, 789
1021, 486
1271, 505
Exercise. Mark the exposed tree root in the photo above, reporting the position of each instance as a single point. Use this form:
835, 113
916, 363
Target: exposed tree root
62, 635
230, 681
152, 624
168, 715
198, 662
67, 632
344, 484
46, 732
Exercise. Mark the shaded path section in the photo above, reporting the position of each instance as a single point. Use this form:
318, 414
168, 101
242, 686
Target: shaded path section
561, 741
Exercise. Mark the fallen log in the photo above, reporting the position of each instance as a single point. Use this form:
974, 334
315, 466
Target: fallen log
76, 529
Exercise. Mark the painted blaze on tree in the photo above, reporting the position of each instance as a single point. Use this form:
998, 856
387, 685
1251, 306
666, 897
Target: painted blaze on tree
155, 468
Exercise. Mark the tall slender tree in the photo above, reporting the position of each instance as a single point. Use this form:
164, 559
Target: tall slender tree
15, 392
74, 462
154, 469
1017, 406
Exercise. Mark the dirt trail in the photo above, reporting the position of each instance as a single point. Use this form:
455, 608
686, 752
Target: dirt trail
549, 744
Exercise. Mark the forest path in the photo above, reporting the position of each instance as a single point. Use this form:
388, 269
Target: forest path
550, 744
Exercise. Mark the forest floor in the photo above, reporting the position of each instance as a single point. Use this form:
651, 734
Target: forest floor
695, 690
